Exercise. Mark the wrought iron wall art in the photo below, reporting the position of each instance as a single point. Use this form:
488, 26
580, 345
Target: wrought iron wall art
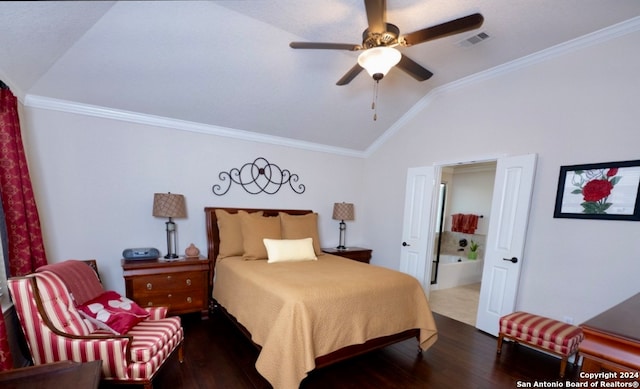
259, 176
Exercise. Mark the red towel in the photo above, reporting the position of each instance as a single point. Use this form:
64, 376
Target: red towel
456, 222
80, 278
469, 224
465, 223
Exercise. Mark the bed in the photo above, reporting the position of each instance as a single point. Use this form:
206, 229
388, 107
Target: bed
309, 309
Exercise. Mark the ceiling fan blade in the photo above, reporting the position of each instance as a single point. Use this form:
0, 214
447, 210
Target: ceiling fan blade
452, 27
414, 69
376, 15
350, 75
327, 46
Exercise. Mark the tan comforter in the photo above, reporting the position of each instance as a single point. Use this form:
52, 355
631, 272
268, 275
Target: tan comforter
298, 311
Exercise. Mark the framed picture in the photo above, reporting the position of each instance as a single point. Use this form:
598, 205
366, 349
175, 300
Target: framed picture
599, 191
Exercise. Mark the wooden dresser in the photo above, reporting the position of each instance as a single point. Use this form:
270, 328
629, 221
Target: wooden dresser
612, 339
181, 285
359, 254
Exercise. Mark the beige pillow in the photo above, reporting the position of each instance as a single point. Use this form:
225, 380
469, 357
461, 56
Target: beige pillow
289, 250
255, 228
230, 234
230, 231
301, 226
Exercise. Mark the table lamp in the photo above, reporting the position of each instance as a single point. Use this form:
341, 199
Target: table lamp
342, 212
172, 206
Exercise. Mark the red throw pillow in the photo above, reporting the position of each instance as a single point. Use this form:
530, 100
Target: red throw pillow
113, 312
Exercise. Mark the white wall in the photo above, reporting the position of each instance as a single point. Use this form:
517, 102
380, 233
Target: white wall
579, 107
94, 181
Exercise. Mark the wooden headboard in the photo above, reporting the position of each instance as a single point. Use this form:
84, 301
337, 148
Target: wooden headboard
213, 233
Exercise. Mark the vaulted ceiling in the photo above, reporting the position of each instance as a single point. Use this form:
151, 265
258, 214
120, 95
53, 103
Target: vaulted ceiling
226, 66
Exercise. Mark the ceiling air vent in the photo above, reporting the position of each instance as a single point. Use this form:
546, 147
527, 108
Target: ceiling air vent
475, 39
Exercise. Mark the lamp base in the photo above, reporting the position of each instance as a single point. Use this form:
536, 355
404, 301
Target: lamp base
343, 229
171, 240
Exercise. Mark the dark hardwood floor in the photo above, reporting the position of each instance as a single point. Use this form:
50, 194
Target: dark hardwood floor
218, 356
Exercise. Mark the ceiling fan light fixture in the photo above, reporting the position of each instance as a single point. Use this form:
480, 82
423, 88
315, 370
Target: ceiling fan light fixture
379, 60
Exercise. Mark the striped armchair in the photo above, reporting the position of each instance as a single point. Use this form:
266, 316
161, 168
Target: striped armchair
56, 331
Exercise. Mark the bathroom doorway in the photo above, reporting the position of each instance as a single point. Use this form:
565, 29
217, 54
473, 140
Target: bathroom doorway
462, 220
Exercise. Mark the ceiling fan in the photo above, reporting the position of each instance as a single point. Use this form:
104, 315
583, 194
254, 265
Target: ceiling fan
380, 40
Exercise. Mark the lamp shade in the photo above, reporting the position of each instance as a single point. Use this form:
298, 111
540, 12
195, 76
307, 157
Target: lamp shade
169, 205
343, 211
379, 60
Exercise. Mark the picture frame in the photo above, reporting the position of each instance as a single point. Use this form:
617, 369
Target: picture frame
606, 191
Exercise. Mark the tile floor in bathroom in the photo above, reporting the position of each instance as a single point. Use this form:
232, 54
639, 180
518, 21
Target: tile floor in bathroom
459, 303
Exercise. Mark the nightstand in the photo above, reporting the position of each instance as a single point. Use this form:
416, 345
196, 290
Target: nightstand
182, 285
356, 253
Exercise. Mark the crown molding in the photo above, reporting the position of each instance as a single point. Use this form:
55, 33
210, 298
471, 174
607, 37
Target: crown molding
617, 30
53, 104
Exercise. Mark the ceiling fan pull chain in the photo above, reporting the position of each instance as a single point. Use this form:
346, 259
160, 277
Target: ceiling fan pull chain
375, 100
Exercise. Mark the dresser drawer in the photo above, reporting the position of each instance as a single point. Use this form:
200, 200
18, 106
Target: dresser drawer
176, 301
152, 284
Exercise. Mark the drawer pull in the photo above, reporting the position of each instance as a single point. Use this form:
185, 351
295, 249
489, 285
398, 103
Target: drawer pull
189, 281
149, 286
149, 304
169, 295
168, 278
189, 299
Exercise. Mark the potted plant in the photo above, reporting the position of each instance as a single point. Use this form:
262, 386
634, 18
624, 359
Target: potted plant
473, 250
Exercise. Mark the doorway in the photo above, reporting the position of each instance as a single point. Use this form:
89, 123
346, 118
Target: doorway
465, 192
506, 236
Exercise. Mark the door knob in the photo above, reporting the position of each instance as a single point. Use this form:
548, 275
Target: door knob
512, 260
405, 244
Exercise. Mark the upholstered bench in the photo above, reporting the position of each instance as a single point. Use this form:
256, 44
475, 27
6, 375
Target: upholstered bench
542, 333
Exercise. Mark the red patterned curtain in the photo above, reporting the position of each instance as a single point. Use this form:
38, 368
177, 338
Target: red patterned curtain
26, 248
25, 245
6, 362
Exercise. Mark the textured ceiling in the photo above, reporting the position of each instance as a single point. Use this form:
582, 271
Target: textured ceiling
228, 64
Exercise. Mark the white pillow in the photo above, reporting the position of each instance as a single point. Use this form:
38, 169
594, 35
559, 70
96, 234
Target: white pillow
289, 250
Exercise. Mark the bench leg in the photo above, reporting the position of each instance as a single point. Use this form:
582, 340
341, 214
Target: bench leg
563, 365
500, 339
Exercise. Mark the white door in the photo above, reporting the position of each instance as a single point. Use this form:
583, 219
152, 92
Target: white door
416, 237
505, 240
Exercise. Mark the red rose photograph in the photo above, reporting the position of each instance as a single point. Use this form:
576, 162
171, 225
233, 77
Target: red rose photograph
599, 191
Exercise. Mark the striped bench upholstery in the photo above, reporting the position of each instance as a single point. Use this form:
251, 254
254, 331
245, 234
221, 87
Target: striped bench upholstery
543, 333
55, 331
